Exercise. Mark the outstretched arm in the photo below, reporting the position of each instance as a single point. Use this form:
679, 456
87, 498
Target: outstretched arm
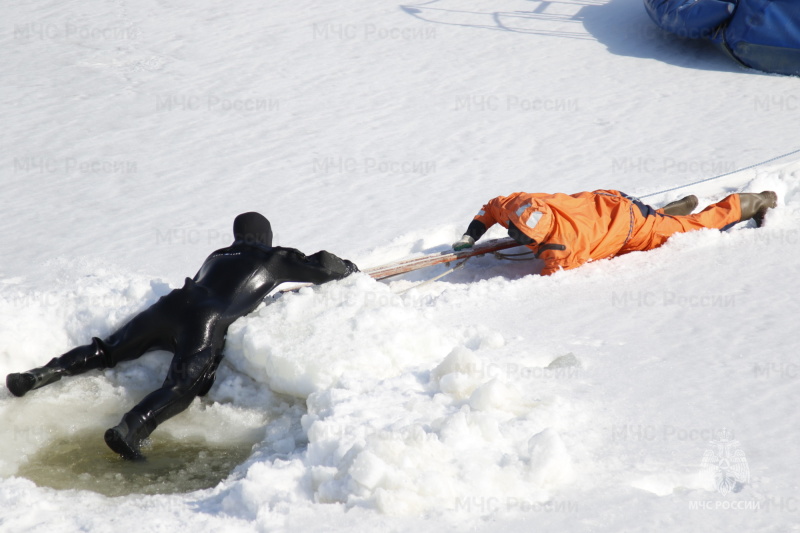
320, 267
475, 231
484, 220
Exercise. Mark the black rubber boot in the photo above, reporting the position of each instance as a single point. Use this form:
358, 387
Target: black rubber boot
681, 207
755, 205
21, 383
126, 437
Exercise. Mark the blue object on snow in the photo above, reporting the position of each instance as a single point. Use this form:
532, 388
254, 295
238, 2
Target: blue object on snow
689, 18
760, 34
765, 35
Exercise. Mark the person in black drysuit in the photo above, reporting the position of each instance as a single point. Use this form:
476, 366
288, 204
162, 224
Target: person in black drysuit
192, 323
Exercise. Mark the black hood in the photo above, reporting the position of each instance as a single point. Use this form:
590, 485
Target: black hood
251, 228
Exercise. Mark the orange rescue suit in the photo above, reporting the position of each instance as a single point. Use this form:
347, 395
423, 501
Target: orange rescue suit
571, 229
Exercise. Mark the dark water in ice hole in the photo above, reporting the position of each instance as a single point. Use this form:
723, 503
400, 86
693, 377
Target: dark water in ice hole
83, 461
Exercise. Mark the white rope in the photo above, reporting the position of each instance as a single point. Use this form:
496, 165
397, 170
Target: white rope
723, 175
440, 276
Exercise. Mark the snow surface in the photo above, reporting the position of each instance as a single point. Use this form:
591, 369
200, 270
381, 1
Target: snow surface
133, 133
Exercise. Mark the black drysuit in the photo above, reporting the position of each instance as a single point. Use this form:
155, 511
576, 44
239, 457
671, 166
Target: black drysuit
192, 323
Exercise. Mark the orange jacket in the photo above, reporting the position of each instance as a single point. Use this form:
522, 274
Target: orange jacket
570, 230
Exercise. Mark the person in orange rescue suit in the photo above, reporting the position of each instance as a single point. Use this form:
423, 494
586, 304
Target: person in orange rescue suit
568, 230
